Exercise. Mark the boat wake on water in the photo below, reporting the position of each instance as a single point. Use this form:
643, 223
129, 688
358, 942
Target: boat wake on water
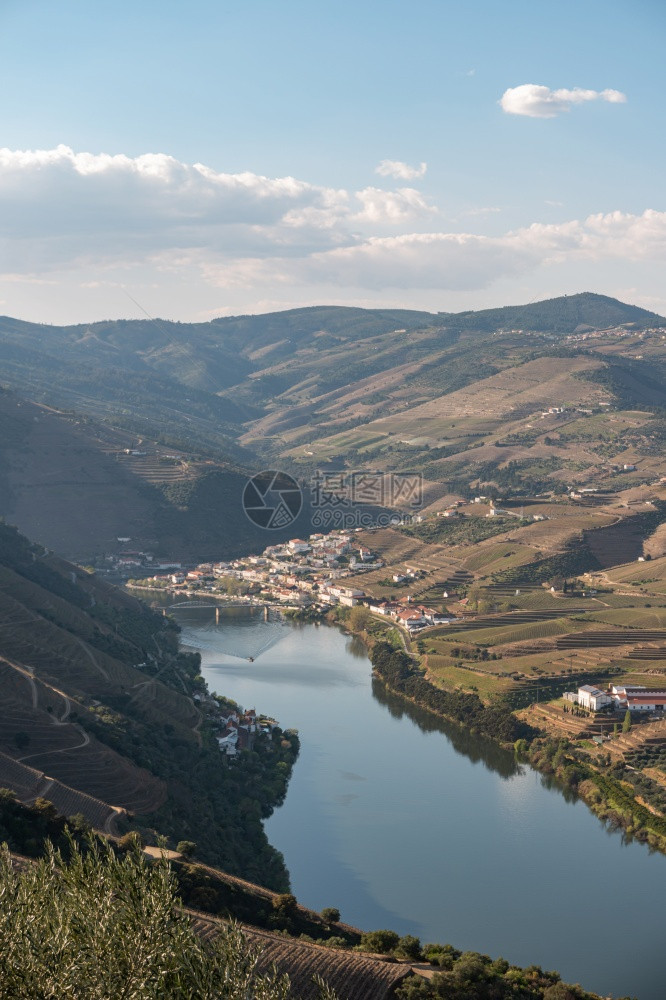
252, 632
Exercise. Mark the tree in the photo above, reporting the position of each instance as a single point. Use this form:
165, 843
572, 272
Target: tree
410, 947
330, 914
559, 991
379, 941
135, 940
359, 617
186, 847
626, 725
285, 908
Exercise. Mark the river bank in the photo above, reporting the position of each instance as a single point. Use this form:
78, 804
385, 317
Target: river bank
599, 783
404, 820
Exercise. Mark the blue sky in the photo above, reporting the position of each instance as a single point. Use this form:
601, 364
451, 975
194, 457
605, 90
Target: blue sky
537, 193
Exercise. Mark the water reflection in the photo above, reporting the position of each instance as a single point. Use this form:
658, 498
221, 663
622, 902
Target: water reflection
463, 742
357, 648
430, 843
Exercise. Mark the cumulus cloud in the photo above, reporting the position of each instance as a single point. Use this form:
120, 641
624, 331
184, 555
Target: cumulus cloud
59, 205
400, 171
380, 206
94, 221
457, 261
41, 189
535, 101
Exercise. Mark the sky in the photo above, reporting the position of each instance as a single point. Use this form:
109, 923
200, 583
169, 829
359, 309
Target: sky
203, 159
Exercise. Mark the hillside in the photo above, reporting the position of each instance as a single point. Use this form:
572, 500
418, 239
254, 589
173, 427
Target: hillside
521, 400
566, 314
196, 385
99, 715
77, 486
128, 897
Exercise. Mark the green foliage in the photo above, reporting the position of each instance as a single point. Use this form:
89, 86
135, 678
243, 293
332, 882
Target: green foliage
472, 976
381, 942
359, 618
330, 914
626, 724
27, 828
95, 926
495, 721
186, 847
409, 947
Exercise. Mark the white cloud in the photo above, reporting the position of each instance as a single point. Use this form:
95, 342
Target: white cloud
536, 101
58, 207
84, 223
456, 261
400, 171
380, 206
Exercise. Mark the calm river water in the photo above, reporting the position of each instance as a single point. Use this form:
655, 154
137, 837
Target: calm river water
404, 822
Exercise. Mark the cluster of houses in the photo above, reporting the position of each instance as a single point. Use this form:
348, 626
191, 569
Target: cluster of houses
635, 697
413, 617
619, 331
240, 731
299, 572
235, 729
304, 572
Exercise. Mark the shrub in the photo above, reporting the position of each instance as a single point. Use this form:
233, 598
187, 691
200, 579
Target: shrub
100, 926
379, 941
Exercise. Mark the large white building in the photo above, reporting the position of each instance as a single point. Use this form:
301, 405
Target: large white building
646, 701
592, 698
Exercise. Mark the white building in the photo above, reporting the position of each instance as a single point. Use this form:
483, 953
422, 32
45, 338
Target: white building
298, 545
647, 701
592, 698
619, 692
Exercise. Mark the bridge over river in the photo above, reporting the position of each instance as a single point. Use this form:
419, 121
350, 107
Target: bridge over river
220, 605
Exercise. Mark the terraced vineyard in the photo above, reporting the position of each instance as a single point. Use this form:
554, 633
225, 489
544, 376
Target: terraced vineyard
649, 755
29, 784
505, 635
158, 470
612, 637
632, 617
54, 683
353, 976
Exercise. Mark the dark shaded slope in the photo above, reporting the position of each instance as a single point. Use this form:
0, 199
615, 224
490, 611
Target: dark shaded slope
66, 482
97, 701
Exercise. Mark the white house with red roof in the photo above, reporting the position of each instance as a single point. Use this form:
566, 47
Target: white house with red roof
647, 701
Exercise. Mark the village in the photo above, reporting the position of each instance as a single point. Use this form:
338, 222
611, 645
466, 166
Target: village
299, 575
239, 730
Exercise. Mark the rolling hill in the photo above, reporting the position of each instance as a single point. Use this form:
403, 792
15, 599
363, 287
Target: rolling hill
529, 398
77, 486
98, 715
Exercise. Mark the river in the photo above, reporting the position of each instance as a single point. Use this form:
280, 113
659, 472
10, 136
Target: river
402, 821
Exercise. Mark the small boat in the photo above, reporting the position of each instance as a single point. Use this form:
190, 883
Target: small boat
251, 659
